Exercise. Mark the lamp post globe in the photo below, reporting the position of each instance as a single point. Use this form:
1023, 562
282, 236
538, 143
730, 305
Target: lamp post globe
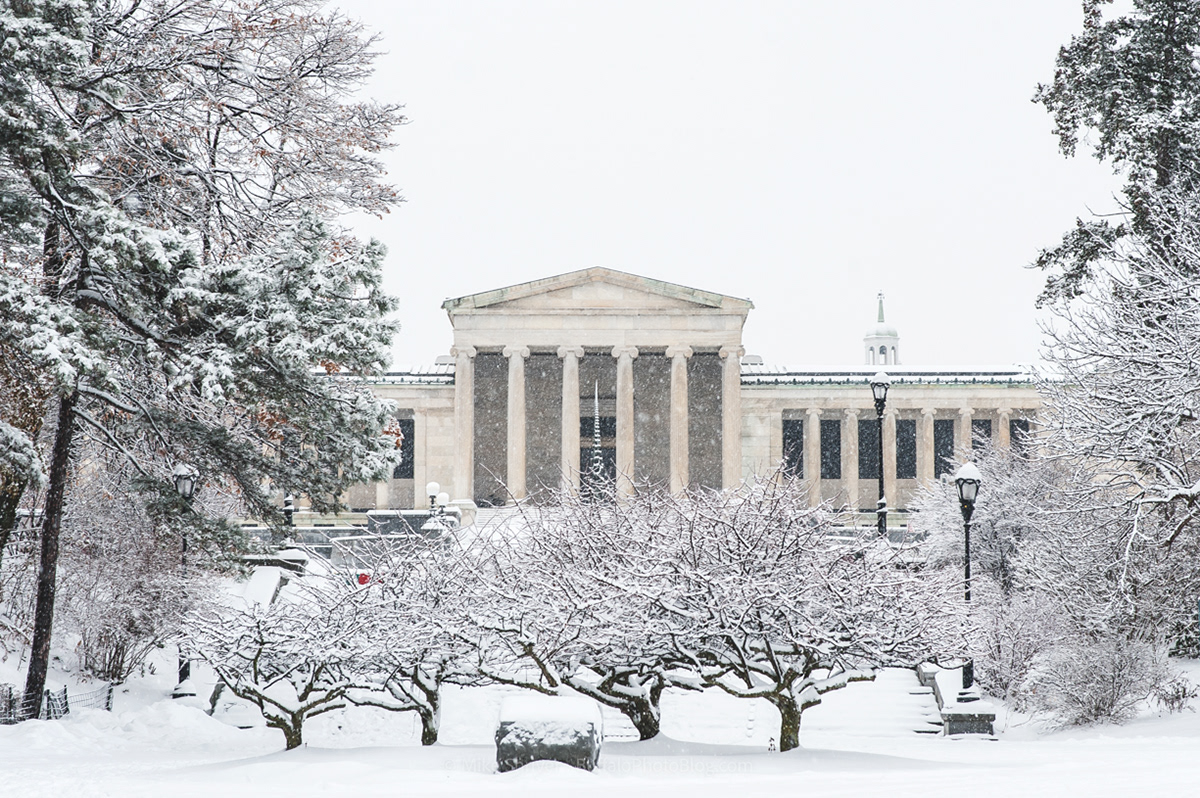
185, 481
879, 390
967, 480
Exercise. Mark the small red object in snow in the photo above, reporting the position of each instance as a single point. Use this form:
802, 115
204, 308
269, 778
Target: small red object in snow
364, 578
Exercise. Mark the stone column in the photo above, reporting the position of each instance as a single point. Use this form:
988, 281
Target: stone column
515, 476
850, 458
625, 356
570, 416
925, 452
464, 425
889, 458
1004, 433
679, 417
731, 417
812, 455
964, 431
420, 461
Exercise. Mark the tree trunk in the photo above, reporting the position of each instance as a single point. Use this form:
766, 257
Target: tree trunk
429, 726
292, 731
645, 715
10, 500
789, 722
43, 619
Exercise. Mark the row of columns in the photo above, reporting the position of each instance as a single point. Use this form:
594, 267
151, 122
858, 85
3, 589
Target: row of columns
464, 417
925, 447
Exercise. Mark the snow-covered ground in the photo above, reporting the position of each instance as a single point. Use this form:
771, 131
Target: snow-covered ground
859, 742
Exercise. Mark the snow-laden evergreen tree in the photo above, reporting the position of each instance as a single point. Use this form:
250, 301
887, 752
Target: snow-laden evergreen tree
167, 275
1128, 86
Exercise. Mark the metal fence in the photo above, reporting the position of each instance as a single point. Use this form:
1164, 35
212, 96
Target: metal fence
53, 704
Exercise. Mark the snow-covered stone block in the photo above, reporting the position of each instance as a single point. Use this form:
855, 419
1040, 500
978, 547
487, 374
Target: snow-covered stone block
263, 586
962, 708
560, 729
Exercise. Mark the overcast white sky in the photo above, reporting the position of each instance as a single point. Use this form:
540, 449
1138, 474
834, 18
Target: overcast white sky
803, 154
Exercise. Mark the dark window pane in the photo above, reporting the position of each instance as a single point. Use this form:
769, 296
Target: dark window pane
831, 449
408, 448
1018, 432
869, 461
906, 448
587, 425
943, 446
981, 430
793, 447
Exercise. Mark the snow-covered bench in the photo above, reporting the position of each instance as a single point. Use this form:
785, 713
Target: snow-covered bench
962, 706
536, 727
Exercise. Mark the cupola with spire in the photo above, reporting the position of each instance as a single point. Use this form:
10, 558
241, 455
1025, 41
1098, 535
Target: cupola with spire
882, 342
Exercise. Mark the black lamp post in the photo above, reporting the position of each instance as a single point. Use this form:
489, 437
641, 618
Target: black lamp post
967, 479
289, 509
879, 388
185, 485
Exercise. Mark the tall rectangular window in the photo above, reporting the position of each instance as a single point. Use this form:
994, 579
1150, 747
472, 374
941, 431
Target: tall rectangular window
869, 457
793, 447
408, 448
981, 431
831, 449
1018, 435
906, 448
943, 446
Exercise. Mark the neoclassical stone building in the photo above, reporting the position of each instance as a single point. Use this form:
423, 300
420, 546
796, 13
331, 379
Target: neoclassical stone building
512, 410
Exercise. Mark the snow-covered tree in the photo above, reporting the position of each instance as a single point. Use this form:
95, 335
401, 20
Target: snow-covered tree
163, 170
748, 592
1128, 86
1126, 358
764, 602
567, 602
422, 590
295, 658
1065, 569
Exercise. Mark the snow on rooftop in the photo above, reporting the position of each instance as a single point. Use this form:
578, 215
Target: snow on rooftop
753, 374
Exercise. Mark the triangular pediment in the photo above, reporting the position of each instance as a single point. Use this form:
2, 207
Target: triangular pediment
596, 289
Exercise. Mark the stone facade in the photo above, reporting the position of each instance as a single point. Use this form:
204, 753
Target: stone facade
510, 411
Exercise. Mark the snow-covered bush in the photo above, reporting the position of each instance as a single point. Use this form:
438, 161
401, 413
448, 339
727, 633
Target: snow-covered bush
1084, 681
1007, 634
